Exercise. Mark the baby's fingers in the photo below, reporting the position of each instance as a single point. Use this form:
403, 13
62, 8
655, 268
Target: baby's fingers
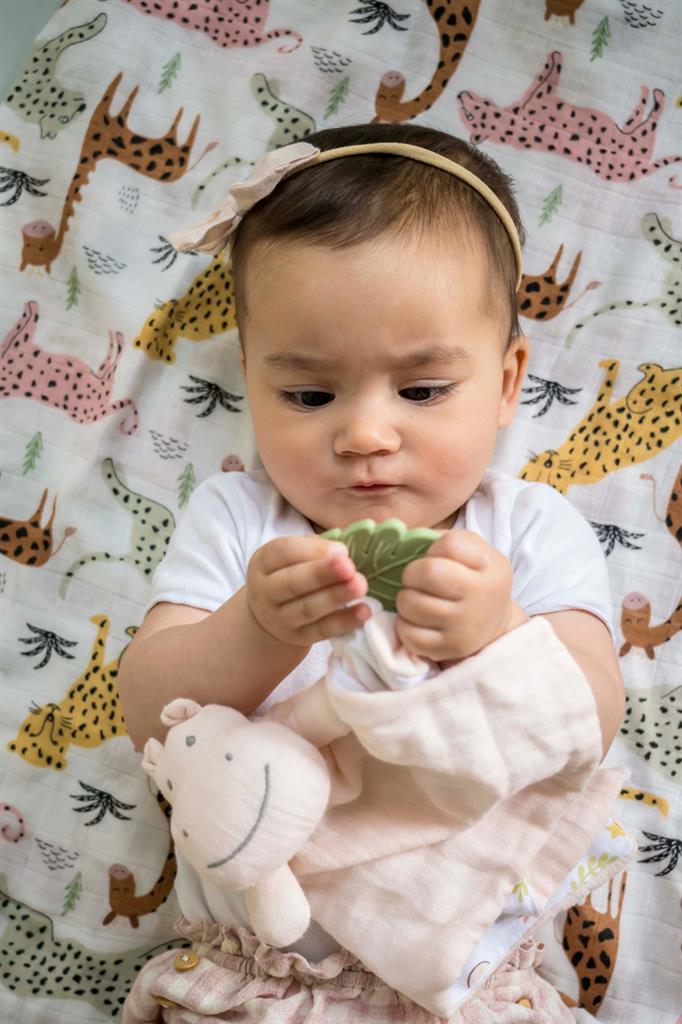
338, 623
312, 607
282, 552
298, 581
425, 643
425, 610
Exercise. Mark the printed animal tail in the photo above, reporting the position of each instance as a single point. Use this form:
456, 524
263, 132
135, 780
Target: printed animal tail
129, 423
22, 329
123, 900
76, 34
645, 797
279, 32
624, 304
233, 161
648, 476
99, 556
67, 533
588, 288
12, 826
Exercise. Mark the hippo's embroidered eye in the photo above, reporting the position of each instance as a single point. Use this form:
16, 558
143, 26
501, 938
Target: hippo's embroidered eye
185, 834
190, 740
169, 784
228, 757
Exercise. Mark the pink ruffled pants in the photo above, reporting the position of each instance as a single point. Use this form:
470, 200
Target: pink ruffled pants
229, 975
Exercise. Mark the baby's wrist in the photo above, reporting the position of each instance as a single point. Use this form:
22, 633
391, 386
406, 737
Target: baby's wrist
266, 635
256, 623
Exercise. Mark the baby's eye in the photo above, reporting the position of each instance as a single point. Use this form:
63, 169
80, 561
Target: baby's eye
420, 393
308, 399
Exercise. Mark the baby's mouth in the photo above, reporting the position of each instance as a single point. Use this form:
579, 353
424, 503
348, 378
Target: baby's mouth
372, 486
254, 827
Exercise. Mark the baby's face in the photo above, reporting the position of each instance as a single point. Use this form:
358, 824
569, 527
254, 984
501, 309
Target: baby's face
375, 365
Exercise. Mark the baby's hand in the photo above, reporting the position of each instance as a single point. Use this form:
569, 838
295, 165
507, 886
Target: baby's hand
456, 599
297, 586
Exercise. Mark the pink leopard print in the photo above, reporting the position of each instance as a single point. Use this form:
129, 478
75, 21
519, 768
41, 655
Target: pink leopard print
543, 121
227, 23
62, 381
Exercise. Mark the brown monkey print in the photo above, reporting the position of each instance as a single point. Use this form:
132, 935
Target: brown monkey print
123, 900
635, 625
454, 21
562, 9
635, 616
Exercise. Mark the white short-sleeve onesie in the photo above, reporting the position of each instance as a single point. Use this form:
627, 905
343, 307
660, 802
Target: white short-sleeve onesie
557, 564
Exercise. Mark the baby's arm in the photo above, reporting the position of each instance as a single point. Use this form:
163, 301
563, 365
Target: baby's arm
294, 595
220, 657
588, 641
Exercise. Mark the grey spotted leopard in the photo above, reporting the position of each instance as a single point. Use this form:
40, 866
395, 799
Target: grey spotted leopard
152, 528
36, 94
36, 963
289, 125
669, 302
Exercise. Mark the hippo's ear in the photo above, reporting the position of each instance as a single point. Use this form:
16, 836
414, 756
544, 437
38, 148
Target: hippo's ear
150, 755
179, 710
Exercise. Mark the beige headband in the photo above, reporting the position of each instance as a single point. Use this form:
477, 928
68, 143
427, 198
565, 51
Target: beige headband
213, 234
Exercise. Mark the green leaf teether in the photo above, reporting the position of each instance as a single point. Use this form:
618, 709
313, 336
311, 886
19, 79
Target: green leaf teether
381, 551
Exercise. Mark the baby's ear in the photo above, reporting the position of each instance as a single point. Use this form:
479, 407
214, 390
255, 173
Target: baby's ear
150, 755
179, 710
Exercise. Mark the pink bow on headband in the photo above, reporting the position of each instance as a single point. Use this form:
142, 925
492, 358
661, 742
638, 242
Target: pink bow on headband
213, 233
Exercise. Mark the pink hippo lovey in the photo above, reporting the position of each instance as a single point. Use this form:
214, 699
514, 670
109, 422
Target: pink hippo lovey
246, 795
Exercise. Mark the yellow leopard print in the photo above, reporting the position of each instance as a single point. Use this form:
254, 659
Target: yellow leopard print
616, 432
89, 714
204, 311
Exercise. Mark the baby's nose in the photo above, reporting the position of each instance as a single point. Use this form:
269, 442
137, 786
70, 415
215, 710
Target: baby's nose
367, 434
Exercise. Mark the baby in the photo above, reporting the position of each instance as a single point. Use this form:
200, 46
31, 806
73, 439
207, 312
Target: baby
376, 302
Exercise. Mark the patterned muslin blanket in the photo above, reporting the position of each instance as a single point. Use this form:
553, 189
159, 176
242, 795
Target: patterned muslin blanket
120, 389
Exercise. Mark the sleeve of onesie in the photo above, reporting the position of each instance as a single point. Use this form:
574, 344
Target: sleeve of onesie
557, 561
205, 562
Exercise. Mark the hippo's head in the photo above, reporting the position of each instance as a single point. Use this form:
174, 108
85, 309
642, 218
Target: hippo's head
245, 795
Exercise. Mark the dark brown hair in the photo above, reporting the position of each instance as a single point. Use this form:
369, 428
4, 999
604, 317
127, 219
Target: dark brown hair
355, 199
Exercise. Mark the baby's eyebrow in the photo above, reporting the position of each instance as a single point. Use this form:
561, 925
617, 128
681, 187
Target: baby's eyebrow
421, 357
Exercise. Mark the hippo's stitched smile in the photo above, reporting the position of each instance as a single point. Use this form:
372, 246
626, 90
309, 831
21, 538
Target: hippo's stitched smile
252, 831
